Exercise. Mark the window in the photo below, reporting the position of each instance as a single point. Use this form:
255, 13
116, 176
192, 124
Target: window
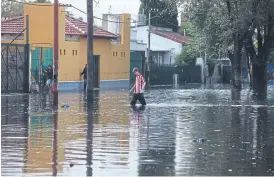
121, 54
75, 52
124, 54
60, 51
113, 53
116, 54
160, 60
64, 52
154, 59
72, 52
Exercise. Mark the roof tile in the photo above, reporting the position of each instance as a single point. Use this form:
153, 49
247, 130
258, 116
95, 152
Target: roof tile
171, 35
73, 26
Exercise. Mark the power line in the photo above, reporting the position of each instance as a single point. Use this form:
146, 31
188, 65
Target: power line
22, 32
72, 6
115, 21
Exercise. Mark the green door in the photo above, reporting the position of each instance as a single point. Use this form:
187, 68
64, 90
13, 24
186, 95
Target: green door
41, 59
135, 61
47, 57
35, 60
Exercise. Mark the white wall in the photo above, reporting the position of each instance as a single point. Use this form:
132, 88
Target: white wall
159, 43
12, 36
72, 37
170, 56
133, 35
109, 25
136, 45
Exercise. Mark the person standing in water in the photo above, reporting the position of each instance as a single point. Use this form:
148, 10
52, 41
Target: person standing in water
138, 88
84, 72
49, 74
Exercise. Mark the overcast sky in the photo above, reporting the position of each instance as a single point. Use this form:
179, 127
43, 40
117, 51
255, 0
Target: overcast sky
105, 6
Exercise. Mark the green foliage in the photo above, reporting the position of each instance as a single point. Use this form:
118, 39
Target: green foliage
11, 9
225, 21
187, 56
163, 13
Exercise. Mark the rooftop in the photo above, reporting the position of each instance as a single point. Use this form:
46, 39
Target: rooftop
177, 37
166, 33
73, 27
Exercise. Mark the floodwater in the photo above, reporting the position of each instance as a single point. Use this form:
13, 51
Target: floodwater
191, 131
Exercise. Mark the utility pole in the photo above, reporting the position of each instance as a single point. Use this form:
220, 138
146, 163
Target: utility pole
148, 51
27, 54
90, 61
56, 52
205, 69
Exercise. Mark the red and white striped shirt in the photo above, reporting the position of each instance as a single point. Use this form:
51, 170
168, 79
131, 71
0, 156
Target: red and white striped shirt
139, 84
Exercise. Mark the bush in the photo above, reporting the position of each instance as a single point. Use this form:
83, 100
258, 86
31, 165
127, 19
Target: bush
187, 56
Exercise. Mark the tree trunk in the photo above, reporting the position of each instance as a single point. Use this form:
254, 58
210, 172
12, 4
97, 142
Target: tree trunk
236, 68
259, 78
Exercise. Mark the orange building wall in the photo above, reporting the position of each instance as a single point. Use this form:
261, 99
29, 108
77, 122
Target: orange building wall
112, 67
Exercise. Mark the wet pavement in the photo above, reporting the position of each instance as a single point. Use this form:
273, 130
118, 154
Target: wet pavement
191, 131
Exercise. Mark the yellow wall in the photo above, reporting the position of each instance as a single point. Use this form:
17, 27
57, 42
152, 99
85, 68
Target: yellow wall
112, 67
70, 66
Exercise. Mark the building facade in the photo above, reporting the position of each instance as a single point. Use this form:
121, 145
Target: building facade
112, 50
165, 45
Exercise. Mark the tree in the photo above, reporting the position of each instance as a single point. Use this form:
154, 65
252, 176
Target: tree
196, 45
42, 1
226, 24
11, 9
192, 47
237, 25
260, 42
163, 13
187, 56
69, 13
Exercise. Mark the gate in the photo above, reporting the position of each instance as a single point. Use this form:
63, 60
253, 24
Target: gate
14, 68
161, 74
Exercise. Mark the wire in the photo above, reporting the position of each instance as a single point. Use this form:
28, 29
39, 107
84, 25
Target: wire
170, 23
70, 5
15, 38
116, 21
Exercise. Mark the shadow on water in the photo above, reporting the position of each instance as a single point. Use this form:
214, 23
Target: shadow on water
193, 131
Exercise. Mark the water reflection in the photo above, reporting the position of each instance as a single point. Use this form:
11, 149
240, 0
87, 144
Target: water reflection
110, 138
156, 155
14, 111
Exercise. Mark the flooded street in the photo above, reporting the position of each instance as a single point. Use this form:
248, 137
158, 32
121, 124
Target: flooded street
191, 131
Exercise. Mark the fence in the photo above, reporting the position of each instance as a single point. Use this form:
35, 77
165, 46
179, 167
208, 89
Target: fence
14, 68
190, 74
163, 74
227, 73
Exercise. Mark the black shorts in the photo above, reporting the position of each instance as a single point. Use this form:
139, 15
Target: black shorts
140, 97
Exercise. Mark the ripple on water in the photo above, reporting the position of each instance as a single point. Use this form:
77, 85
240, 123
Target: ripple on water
164, 139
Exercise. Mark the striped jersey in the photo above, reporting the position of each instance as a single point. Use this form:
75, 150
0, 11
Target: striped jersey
139, 84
